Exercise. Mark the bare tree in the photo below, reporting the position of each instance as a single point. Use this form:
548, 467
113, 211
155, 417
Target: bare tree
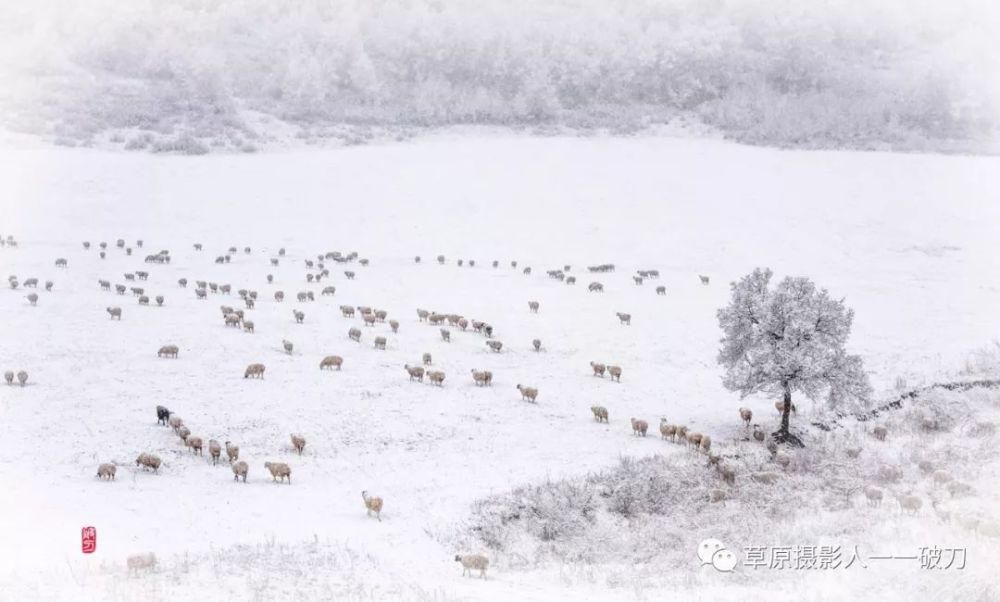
789, 339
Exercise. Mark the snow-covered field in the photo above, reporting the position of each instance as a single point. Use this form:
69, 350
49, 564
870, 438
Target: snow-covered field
908, 240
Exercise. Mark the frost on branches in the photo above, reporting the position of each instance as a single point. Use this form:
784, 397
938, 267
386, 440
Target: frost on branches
789, 339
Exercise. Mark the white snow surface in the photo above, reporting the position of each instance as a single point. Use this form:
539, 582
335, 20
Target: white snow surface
908, 240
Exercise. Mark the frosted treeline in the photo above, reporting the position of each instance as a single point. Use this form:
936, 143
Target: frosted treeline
191, 75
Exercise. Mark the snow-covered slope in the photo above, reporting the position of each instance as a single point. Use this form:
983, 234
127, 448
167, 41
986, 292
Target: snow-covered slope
907, 239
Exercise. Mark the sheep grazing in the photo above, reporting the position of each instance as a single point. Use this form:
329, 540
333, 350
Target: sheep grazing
704, 279
880, 432
143, 300
279, 470
168, 351
140, 562
416, 372
436, 377
248, 325
598, 369
537, 344
473, 562
9, 377
373, 504
148, 461
329, 290
394, 325
780, 406
706, 444
639, 427
526, 271
496, 346
299, 443
31, 283
380, 343
22, 377
874, 495
661, 290
427, 359
595, 287
910, 504
571, 280
615, 372
354, 334
482, 378
746, 415
162, 415
106, 471
240, 469
299, 316
32, 298
527, 393
61, 263
600, 413
667, 431
330, 362
104, 284
533, 306
194, 443
114, 312
255, 370
287, 346
214, 450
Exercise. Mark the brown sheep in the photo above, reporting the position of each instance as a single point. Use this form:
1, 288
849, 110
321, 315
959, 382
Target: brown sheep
373, 504
240, 469
214, 450
746, 415
255, 370
194, 443
598, 369
639, 427
279, 470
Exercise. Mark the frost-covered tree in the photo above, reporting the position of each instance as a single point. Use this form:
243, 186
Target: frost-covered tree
789, 339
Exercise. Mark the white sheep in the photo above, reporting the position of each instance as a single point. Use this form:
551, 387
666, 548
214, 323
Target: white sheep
287, 345
436, 377
194, 443
254, 370
248, 326
415, 372
380, 343
106, 471
148, 461
615, 372
495, 346
427, 359
639, 427
240, 469
168, 351
140, 562
600, 413
279, 470
232, 451
473, 562
598, 369
299, 443
874, 495
910, 504
624, 318
482, 377
354, 334
330, 362
115, 313
667, 431
529, 393
746, 415
22, 377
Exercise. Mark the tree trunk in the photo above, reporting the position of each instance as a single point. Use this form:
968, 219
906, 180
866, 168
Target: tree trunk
784, 414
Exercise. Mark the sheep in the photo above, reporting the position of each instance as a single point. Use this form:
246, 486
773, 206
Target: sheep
329, 290
766, 478
9, 377
595, 287
233, 320
248, 325
706, 444
372, 504
61, 263
200, 293
482, 378
445, 335
526, 271
168, 351
713, 459
728, 473
681, 433
31, 283
615, 372
301, 296
782, 459
114, 312
427, 359
780, 406
478, 326
422, 315
910, 504
194, 443
537, 344
880, 432
143, 300
331, 361
347, 311
495, 346
746, 414
299, 316
667, 431
32, 298
13, 282
639, 427
717, 495
250, 303
381, 315
256, 370
874, 495
380, 343
240, 469
368, 319
416, 372
22, 377
600, 413
394, 325
106, 471
694, 440
436, 377
533, 306
104, 284
571, 280
120, 289
488, 331
175, 422
638, 280
309, 277
139, 562
298, 442
159, 300
148, 461
941, 477
473, 562
214, 450
661, 290
162, 415
349, 274
528, 393
704, 279
958, 488
354, 334
758, 434
279, 470
598, 369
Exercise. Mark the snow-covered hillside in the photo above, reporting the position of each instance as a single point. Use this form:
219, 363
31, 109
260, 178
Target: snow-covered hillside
908, 240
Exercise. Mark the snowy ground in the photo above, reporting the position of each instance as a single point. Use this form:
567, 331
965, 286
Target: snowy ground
909, 240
